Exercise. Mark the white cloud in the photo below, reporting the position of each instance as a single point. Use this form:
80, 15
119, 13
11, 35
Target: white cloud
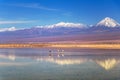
39, 7
15, 22
33, 5
8, 29
63, 24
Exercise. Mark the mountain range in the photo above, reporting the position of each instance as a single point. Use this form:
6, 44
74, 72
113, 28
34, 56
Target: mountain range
106, 29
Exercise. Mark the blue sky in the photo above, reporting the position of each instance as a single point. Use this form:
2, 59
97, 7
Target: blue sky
30, 13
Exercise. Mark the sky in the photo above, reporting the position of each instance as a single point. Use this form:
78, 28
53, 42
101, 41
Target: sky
31, 13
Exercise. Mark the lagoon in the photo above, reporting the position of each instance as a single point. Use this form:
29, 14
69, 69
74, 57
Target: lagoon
49, 64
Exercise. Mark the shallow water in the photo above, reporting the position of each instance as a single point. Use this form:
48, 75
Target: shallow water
62, 64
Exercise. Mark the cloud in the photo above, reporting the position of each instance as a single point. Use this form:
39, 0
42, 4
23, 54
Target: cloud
64, 24
8, 29
33, 5
15, 22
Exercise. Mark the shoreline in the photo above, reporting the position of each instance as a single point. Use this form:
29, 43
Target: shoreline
61, 45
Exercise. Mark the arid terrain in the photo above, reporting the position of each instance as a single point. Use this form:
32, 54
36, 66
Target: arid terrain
87, 45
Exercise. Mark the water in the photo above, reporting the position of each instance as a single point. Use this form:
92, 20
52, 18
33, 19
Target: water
54, 64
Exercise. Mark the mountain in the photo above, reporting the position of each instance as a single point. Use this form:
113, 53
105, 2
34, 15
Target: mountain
64, 25
106, 29
106, 25
8, 29
108, 22
61, 28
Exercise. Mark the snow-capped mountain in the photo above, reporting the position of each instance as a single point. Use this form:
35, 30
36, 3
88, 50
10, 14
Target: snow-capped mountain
108, 22
105, 29
8, 29
64, 24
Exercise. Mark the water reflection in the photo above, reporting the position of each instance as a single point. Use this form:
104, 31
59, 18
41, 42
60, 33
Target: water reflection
62, 61
14, 64
106, 62
9, 56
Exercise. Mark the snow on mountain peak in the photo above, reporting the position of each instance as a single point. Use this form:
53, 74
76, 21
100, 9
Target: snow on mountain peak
67, 24
108, 22
8, 29
64, 24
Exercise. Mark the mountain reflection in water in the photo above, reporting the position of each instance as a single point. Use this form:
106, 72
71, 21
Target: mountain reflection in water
51, 64
106, 62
